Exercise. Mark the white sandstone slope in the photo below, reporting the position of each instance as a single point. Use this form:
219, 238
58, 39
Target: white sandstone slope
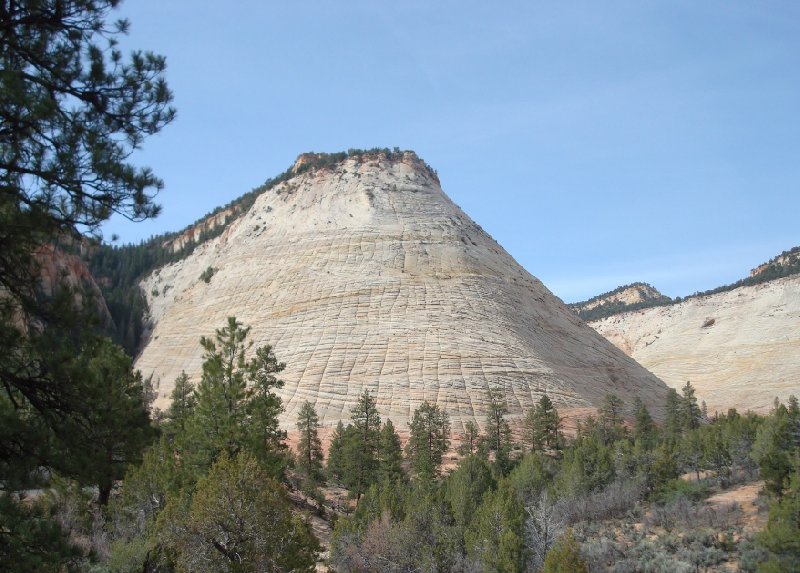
365, 275
739, 349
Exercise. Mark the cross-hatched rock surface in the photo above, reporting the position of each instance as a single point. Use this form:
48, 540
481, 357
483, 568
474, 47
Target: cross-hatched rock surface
365, 275
739, 349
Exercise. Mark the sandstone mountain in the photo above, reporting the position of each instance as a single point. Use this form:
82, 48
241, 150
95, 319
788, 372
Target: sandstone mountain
739, 348
363, 274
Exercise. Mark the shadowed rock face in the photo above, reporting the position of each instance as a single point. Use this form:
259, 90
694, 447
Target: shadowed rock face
365, 275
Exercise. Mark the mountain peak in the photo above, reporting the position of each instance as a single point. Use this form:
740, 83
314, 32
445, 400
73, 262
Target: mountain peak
363, 274
624, 298
313, 161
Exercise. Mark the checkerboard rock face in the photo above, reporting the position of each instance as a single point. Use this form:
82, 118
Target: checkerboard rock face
365, 275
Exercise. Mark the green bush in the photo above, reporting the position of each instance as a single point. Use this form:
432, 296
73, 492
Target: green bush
679, 488
206, 275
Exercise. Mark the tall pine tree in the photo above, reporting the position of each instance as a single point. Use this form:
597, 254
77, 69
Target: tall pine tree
429, 440
390, 455
542, 426
309, 447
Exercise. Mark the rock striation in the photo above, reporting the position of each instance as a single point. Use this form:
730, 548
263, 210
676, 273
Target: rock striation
363, 274
739, 348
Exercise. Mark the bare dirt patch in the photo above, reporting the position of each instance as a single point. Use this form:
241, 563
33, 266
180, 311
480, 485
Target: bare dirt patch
753, 513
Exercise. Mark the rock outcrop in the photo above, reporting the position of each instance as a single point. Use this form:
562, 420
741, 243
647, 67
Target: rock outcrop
785, 263
739, 349
363, 274
59, 269
627, 297
194, 233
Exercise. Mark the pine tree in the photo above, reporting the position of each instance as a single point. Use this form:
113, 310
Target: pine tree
588, 465
236, 408
611, 422
32, 541
390, 455
182, 403
429, 440
469, 439
498, 433
716, 453
119, 428
673, 423
465, 487
220, 414
73, 111
335, 464
495, 536
773, 449
264, 436
690, 411
781, 537
360, 446
691, 451
644, 429
565, 557
665, 469
542, 426
309, 454
240, 520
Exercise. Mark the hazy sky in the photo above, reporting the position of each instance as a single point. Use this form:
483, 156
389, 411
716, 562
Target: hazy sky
599, 142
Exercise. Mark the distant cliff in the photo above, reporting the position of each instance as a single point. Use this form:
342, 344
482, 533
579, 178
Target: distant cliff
740, 348
638, 296
622, 299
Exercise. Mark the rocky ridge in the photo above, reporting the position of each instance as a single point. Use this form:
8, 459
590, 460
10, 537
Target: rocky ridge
785, 263
623, 298
363, 274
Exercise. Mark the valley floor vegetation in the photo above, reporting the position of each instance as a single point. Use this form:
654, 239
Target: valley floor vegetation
208, 487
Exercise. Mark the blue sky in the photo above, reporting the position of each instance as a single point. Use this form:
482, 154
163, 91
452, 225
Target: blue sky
600, 143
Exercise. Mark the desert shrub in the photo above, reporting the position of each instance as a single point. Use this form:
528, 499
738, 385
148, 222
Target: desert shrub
720, 517
669, 515
206, 275
614, 500
700, 555
678, 488
598, 553
751, 555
